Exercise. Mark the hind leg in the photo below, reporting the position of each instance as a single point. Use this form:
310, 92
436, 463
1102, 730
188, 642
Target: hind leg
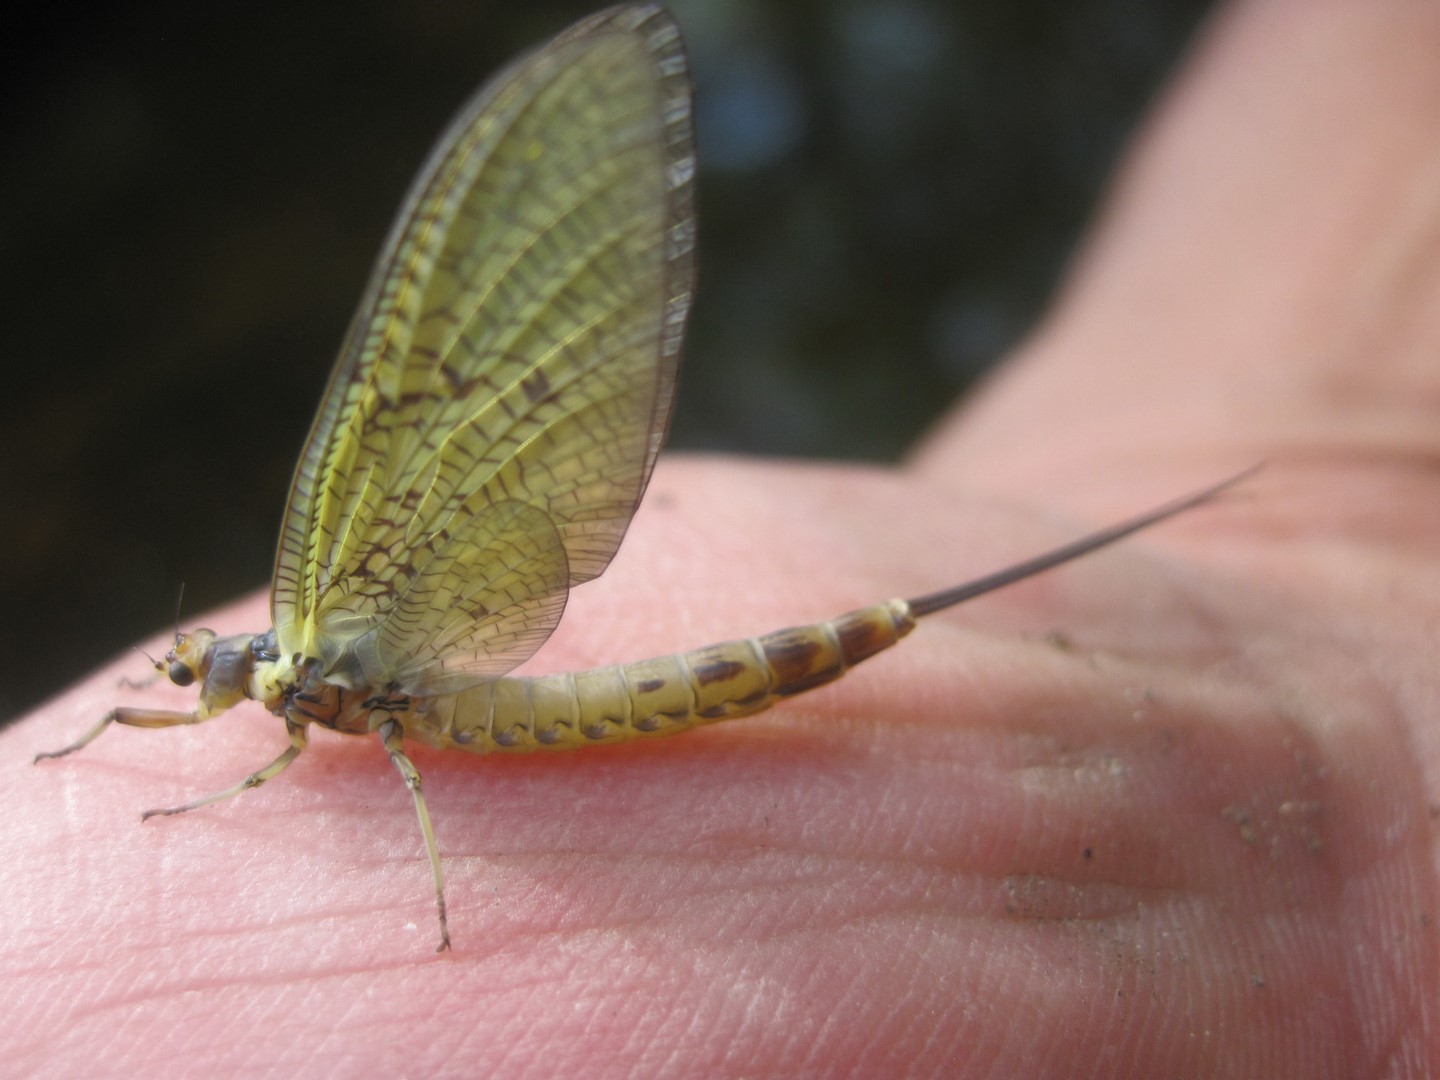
390, 734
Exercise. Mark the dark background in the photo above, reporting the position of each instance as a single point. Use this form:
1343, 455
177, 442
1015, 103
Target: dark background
888, 193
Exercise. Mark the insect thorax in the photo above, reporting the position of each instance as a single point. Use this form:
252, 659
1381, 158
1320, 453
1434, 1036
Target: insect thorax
236, 668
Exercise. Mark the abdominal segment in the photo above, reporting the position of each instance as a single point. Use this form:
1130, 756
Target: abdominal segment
663, 696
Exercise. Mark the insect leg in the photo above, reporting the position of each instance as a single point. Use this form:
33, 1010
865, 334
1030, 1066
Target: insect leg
390, 735
146, 718
298, 741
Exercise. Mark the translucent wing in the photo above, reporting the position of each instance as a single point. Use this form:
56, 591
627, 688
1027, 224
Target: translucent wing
496, 409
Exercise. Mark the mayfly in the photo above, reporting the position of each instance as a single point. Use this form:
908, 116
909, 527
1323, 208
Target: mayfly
486, 435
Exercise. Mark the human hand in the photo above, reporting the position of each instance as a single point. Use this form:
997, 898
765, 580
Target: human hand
1166, 811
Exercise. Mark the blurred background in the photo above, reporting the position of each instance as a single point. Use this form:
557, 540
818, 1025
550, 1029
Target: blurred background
889, 191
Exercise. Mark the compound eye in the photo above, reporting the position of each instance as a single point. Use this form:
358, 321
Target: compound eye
181, 675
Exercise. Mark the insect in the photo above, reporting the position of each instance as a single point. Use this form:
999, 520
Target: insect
488, 430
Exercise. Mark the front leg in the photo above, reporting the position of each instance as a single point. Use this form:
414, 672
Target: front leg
298, 741
145, 718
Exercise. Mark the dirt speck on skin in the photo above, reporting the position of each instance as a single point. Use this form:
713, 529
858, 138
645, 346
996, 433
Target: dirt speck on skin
1241, 817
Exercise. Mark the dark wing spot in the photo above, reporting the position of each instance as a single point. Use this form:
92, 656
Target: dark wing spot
536, 386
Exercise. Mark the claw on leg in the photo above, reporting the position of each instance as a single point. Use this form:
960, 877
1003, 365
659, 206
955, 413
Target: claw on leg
390, 734
298, 742
84, 740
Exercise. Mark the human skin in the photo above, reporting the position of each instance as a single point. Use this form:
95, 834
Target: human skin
1167, 811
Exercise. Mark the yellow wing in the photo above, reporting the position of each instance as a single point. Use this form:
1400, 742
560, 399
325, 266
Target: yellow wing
497, 406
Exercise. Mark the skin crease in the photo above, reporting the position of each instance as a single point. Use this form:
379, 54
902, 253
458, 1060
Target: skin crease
1168, 811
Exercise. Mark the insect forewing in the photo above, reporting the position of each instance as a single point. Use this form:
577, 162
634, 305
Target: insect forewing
495, 412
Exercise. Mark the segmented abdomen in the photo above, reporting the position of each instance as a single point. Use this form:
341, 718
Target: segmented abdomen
663, 696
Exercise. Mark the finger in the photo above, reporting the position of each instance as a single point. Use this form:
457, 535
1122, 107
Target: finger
1261, 282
